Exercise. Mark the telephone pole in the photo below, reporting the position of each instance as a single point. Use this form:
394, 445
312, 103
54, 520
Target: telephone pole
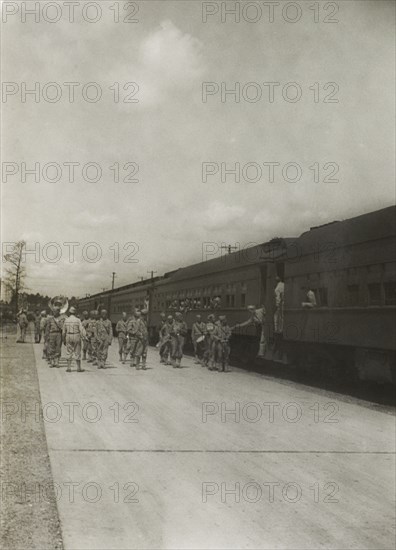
112, 281
229, 248
152, 274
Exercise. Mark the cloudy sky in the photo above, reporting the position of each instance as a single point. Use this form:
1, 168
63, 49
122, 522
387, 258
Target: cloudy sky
170, 132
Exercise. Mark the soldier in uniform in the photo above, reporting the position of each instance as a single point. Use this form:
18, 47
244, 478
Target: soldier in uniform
138, 335
198, 337
54, 329
178, 336
22, 324
91, 337
209, 342
121, 329
37, 332
257, 318
278, 317
221, 336
73, 332
165, 340
104, 337
85, 341
43, 324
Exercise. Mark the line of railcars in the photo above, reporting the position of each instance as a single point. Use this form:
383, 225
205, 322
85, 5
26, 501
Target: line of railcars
349, 265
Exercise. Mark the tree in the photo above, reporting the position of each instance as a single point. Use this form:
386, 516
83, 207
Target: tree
15, 274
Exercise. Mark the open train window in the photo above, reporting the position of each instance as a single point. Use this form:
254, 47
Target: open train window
353, 295
280, 270
390, 293
374, 291
322, 295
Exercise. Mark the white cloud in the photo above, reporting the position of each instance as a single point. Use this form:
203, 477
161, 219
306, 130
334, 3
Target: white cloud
88, 219
219, 215
170, 61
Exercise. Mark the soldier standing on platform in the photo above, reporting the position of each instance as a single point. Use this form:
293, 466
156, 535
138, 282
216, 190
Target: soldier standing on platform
91, 337
121, 330
145, 334
37, 332
137, 331
257, 318
73, 332
54, 329
178, 336
209, 342
198, 337
22, 324
85, 342
165, 340
222, 336
104, 337
43, 324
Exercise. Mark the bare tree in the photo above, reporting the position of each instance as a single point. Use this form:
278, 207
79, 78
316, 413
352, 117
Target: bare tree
15, 274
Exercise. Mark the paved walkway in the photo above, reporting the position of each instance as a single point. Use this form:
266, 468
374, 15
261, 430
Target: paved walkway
157, 459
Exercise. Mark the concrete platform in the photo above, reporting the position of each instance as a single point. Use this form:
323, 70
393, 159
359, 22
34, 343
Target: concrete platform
158, 459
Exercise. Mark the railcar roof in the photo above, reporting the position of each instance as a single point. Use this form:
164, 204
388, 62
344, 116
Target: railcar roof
367, 227
264, 252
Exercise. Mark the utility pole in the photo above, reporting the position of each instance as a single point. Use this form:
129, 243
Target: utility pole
112, 281
229, 248
141, 278
150, 294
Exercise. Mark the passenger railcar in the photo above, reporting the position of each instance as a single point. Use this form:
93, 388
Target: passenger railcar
350, 266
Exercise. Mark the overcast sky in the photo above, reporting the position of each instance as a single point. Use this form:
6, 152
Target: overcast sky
170, 132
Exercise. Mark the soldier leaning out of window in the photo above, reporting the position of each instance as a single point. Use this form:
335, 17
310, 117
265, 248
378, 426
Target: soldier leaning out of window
311, 299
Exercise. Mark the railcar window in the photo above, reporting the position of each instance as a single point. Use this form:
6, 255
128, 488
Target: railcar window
390, 293
374, 294
353, 295
322, 294
243, 300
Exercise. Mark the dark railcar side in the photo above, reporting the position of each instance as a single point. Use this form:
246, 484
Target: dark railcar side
350, 265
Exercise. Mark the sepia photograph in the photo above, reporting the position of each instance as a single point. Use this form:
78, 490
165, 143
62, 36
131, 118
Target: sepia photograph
198, 275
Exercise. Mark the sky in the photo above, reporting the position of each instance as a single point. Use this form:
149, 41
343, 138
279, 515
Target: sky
173, 135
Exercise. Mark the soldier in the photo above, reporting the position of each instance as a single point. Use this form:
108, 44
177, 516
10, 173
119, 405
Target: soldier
222, 336
37, 332
198, 337
178, 335
22, 324
91, 337
278, 317
85, 341
165, 340
104, 337
121, 329
257, 318
311, 303
137, 331
54, 329
209, 342
43, 323
72, 332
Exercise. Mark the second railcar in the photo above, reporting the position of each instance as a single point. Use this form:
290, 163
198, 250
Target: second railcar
350, 267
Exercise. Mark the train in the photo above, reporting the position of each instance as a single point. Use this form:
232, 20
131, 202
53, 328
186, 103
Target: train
350, 267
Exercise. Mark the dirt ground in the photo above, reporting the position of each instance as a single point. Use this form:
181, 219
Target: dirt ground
29, 516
